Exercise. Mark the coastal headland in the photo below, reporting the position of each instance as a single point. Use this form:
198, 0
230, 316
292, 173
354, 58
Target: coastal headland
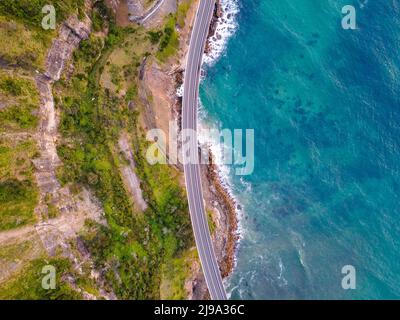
112, 226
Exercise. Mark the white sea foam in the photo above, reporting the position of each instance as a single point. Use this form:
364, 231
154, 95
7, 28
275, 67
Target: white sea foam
225, 28
223, 170
179, 91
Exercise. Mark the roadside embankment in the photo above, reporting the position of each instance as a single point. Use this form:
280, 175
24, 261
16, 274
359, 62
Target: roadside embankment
161, 82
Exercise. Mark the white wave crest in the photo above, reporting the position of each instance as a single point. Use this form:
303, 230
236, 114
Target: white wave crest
223, 170
225, 28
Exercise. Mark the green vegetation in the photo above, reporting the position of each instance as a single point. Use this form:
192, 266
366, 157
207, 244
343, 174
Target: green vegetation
22, 46
116, 77
18, 192
210, 220
17, 117
15, 251
18, 201
28, 284
155, 36
135, 247
99, 15
30, 11
11, 86
20, 98
174, 275
132, 93
143, 255
119, 72
169, 42
181, 13
23, 40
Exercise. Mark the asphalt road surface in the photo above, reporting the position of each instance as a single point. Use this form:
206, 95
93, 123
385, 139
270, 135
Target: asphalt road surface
198, 216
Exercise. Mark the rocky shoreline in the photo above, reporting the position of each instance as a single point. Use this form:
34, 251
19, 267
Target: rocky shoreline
213, 26
219, 202
160, 83
62, 210
218, 199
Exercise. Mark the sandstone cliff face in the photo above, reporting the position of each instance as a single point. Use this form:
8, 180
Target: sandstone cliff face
56, 234
72, 32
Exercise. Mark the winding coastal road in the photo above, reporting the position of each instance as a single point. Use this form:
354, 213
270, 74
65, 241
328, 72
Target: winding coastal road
148, 14
198, 216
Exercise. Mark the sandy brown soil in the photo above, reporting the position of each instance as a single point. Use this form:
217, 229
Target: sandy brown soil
18, 247
121, 10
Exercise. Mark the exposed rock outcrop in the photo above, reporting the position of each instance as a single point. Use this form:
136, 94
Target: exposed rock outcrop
71, 33
131, 180
57, 234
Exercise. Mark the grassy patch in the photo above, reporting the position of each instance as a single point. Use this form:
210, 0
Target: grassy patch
182, 11
122, 65
169, 42
27, 285
30, 11
20, 98
18, 202
175, 272
132, 93
211, 223
23, 46
15, 159
18, 117
18, 192
16, 253
24, 42
133, 249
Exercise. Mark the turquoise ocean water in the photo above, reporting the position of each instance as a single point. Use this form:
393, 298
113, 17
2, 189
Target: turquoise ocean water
325, 106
